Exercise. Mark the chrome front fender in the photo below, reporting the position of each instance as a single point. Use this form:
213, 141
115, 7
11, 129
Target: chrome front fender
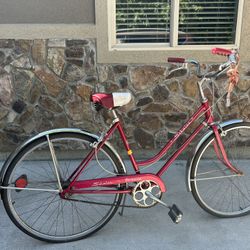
50, 132
190, 160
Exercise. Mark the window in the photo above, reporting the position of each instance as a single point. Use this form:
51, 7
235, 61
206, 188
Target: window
177, 22
208, 22
142, 21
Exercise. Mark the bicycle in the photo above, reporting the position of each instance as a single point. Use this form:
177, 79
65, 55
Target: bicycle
65, 184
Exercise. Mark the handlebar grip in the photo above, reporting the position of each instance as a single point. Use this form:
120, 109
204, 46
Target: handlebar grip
221, 52
176, 60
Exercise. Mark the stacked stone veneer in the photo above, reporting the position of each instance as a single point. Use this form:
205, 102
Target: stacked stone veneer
46, 84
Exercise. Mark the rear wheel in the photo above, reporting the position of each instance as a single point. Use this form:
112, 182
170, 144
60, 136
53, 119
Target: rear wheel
37, 208
218, 190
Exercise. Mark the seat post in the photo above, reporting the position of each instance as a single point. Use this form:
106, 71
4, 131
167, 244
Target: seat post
116, 118
203, 97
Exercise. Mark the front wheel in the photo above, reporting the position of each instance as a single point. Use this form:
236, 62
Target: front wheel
218, 190
37, 208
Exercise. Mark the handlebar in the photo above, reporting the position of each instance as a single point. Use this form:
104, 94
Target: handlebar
232, 55
183, 60
221, 52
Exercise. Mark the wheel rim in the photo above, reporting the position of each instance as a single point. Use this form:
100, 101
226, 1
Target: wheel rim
45, 214
216, 191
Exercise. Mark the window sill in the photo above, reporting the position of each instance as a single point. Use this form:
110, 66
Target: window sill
156, 54
166, 47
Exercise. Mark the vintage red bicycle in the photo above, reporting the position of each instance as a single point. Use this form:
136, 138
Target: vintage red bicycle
65, 184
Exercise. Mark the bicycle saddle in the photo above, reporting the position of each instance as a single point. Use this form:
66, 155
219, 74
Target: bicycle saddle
113, 100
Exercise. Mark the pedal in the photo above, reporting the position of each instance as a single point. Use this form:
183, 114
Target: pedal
175, 214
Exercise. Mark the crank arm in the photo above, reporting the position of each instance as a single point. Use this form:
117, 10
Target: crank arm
151, 196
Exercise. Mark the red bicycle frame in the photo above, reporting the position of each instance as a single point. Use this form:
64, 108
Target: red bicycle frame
83, 186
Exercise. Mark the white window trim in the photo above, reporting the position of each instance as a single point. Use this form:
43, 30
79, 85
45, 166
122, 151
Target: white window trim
113, 46
174, 23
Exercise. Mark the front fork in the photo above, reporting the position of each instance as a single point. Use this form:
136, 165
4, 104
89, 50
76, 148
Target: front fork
220, 150
218, 144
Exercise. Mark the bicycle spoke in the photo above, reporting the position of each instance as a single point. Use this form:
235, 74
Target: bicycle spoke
85, 213
81, 217
35, 209
56, 209
47, 173
34, 172
29, 195
31, 203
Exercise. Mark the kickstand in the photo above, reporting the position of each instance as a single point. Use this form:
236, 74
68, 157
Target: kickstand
123, 203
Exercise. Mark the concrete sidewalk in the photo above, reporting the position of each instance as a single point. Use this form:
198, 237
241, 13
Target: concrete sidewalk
150, 228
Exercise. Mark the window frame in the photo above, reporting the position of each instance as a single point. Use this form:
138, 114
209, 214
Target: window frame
174, 24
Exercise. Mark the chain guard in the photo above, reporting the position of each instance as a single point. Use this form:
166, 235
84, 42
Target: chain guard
138, 194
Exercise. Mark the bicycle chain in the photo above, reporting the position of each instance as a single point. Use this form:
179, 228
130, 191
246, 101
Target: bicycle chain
105, 204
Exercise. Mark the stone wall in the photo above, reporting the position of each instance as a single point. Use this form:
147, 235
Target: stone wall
46, 84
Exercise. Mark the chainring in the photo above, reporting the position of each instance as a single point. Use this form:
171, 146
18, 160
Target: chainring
139, 193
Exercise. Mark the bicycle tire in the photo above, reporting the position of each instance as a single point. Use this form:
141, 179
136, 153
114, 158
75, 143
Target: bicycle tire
56, 219
212, 187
